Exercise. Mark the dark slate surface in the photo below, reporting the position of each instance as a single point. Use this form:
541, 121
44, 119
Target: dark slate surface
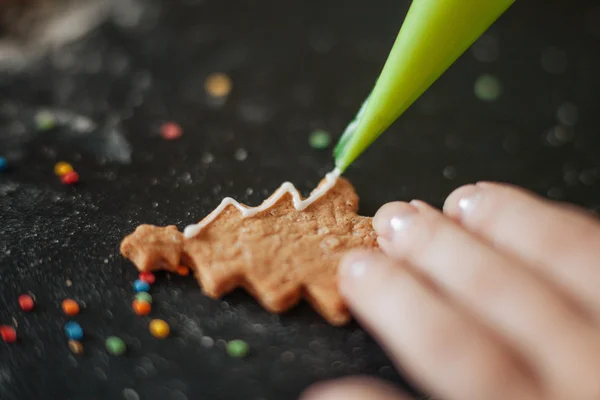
296, 66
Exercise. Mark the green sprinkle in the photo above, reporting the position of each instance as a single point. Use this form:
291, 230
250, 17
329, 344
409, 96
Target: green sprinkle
487, 88
115, 346
319, 139
44, 120
237, 348
144, 296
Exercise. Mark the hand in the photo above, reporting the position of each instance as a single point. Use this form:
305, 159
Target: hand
498, 297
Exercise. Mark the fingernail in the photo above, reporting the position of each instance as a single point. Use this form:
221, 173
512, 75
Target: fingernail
467, 204
393, 219
354, 266
462, 201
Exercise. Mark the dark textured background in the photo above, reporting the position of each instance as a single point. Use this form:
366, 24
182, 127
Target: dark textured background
296, 65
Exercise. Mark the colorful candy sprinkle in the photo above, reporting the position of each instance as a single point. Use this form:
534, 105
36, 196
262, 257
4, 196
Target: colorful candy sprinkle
144, 296
141, 286
170, 131
62, 168
183, 270
319, 139
70, 178
218, 84
115, 346
3, 164
45, 120
8, 333
70, 307
487, 88
147, 277
26, 302
73, 330
141, 307
237, 348
75, 347
159, 328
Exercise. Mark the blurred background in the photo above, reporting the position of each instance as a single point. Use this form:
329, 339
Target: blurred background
93, 82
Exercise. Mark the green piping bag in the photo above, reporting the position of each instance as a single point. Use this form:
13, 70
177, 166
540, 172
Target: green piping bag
434, 34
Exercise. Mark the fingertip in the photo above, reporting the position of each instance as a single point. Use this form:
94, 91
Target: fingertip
460, 200
353, 388
355, 269
389, 218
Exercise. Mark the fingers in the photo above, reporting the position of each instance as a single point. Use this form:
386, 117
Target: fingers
353, 389
493, 287
561, 243
442, 349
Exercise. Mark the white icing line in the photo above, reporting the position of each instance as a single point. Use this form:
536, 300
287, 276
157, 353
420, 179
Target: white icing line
330, 179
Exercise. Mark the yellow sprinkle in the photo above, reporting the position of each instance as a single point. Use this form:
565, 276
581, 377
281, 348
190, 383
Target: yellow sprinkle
75, 346
218, 84
159, 328
62, 168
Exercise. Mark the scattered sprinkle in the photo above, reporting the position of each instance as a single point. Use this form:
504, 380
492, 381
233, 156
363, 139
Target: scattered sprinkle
182, 270
73, 330
62, 168
487, 88
141, 307
567, 114
8, 333
75, 347
319, 139
69, 283
159, 328
70, 307
218, 84
143, 296
26, 302
141, 286
554, 60
3, 164
171, 131
115, 346
45, 120
241, 154
237, 348
147, 277
130, 394
207, 158
207, 341
70, 178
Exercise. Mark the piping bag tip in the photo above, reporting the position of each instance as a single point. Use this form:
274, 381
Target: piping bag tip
434, 34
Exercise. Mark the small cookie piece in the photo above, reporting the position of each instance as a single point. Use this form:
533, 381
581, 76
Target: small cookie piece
279, 255
152, 248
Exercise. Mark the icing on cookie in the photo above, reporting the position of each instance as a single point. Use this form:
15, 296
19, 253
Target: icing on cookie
286, 188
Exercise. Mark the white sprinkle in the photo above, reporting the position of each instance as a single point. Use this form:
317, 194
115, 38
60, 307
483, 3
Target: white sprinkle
130, 394
449, 172
554, 60
207, 158
567, 114
207, 341
485, 49
241, 154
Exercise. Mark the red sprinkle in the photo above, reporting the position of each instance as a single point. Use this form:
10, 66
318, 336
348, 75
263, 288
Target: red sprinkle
8, 334
170, 131
26, 302
70, 178
147, 277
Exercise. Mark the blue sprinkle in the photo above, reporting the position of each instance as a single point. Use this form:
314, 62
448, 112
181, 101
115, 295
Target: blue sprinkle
73, 331
141, 286
3, 164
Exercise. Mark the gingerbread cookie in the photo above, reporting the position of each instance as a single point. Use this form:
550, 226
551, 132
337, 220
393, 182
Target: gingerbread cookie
284, 250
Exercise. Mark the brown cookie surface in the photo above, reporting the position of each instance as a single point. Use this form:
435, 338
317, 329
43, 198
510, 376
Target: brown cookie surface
279, 255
